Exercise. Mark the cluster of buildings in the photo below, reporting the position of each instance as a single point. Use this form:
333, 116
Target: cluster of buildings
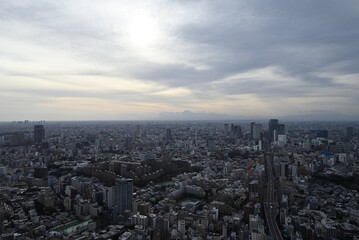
179, 180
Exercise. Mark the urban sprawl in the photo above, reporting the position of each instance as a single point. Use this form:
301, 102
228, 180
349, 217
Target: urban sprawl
179, 180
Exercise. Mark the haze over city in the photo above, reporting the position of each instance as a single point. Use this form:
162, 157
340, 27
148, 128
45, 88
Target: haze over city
190, 60
179, 120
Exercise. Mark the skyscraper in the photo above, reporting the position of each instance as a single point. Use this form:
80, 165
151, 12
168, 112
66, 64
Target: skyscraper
237, 131
256, 131
252, 124
349, 133
138, 130
273, 126
281, 129
39, 133
123, 194
168, 134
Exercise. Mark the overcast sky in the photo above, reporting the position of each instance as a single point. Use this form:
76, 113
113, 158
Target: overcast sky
121, 60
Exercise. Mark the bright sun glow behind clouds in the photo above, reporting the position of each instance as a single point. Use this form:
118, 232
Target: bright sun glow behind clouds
143, 30
145, 57
143, 33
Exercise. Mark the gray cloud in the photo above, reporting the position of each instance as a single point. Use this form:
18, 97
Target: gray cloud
314, 43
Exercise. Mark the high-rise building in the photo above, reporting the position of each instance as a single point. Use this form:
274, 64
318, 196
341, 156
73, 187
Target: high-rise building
252, 124
237, 131
349, 133
196, 139
181, 227
322, 133
168, 134
281, 129
39, 133
17, 138
226, 128
138, 131
256, 131
123, 194
273, 126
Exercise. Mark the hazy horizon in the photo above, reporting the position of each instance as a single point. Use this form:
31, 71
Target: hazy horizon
179, 60
202, 117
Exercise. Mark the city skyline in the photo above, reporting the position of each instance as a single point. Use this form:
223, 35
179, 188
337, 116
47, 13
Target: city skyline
179, 60
170, 180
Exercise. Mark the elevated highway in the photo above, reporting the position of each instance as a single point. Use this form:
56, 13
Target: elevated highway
271, 209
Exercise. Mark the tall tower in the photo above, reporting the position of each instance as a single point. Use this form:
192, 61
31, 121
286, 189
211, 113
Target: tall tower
39, 133
256, 131
123, 194
273, 126
252, 124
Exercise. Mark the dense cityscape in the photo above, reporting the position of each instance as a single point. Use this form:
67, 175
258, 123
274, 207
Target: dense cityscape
179, 120
179, 180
